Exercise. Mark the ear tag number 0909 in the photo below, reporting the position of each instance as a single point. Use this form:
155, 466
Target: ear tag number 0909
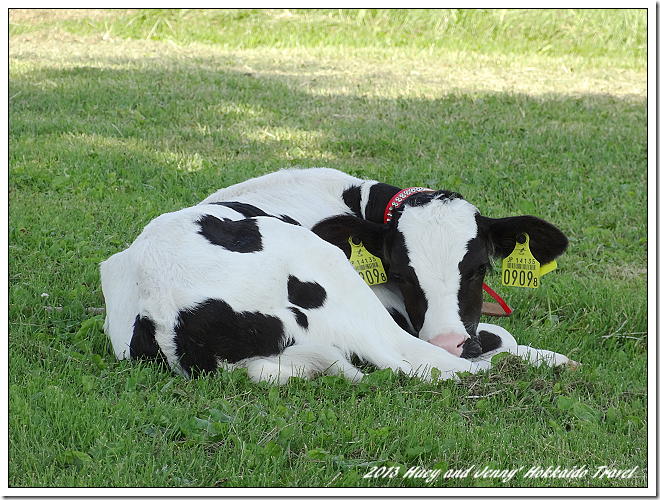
369, 267
520, 268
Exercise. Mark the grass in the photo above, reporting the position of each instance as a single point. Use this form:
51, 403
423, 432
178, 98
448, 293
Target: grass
116, 117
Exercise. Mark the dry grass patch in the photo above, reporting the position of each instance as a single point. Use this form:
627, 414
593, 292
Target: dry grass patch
34, 16
329, 75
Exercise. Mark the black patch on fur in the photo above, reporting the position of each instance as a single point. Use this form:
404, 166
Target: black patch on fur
338, 229
305, 294
289, 220
379, 196
289, 343
352, 198
143, 344
245, 209
425, 197
301, 317
473, 268
402, 321
249, 211
418, 199
471, 348
241, 236
443, 194
489, 341
214, 330
402, 275
481, 344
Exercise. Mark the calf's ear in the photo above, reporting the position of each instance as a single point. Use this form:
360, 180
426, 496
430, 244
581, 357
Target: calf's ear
546, 242
337, 230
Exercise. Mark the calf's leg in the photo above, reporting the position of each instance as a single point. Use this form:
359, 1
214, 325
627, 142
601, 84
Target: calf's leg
302, 360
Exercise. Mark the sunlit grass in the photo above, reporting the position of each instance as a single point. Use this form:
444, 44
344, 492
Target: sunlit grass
598, 34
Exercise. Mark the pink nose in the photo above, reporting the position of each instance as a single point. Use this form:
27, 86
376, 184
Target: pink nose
450, 342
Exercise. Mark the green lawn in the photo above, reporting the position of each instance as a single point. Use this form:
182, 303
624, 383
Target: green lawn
116, 117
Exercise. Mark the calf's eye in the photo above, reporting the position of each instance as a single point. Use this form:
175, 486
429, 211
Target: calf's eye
395, 277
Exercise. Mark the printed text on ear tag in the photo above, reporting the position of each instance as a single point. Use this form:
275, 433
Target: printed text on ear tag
520, 268
369, 267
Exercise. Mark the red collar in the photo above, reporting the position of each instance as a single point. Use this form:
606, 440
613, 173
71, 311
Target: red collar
398, 198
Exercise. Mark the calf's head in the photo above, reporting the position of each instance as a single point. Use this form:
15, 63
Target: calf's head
436, 251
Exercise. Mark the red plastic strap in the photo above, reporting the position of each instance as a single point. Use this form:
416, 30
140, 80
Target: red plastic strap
398, 198
500, 300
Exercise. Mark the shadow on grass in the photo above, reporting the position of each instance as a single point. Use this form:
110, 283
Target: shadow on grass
176, 134
225, 116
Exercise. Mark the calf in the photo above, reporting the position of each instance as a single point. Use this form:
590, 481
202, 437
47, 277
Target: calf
240, 279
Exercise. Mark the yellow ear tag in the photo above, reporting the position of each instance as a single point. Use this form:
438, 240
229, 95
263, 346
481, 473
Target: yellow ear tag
369, 267
546, 268
521, 268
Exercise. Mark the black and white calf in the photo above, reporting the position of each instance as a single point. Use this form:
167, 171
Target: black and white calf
257, 275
